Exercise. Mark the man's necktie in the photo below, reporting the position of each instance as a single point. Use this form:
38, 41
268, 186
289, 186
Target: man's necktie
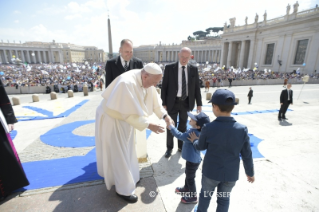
125, 66
184, 96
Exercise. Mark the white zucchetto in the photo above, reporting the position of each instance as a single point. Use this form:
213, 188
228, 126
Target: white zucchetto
153, 68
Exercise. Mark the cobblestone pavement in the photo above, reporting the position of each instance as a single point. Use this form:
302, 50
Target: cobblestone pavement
285, 178
38, 151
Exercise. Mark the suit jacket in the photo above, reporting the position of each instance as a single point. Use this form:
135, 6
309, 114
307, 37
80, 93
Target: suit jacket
114, 68
250, 93
284, 97
170, 86
225, 140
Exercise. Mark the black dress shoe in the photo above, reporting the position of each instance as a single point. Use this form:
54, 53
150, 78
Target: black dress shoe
284, 118
168, 153
279, 119
131, 199
179, 149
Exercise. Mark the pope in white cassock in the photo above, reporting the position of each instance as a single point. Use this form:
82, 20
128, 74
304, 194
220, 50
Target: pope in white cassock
127, 103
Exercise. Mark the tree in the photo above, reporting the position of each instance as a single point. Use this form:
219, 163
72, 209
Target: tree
200, 33
215, 29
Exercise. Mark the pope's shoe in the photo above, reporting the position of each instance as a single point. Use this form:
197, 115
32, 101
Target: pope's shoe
131, 198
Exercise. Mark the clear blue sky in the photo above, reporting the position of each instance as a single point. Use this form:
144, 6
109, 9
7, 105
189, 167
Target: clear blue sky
84, 22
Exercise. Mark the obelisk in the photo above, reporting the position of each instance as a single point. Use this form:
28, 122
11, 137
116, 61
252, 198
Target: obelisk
110, 38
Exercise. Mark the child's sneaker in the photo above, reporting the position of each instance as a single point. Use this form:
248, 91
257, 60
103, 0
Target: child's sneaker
189, 200
181, 190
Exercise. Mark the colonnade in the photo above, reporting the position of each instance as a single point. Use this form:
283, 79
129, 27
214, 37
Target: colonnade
201, 56
237, 53
30, 56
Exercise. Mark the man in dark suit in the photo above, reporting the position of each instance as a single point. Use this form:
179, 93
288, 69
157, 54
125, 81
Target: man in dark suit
125, 62
250, 94
180, 89
286, 98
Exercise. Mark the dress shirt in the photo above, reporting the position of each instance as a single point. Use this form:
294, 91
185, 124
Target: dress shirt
180, 82
288, 90
123, 62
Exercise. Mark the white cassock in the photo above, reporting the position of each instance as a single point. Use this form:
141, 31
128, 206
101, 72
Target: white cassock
126, 105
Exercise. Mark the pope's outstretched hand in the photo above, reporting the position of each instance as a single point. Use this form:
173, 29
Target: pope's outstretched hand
156, 128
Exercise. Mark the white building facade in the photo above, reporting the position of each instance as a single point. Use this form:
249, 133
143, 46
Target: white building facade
49, 52
31, 52
282, 44
203, 51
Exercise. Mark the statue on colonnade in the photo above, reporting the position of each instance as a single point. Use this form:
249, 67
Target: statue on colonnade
288, 9
256, 18
265, 16
296, 5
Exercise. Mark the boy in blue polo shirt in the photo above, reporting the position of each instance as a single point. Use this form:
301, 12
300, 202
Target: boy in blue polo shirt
191, 155
225, 140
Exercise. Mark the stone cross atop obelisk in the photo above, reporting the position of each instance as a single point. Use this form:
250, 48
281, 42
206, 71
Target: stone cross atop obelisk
110, 38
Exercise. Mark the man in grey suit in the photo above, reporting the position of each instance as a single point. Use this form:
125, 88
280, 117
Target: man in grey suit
125, 62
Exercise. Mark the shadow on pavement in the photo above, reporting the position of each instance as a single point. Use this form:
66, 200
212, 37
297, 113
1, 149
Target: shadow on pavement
98, 198
167, 170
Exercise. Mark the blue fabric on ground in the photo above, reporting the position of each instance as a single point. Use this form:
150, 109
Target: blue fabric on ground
148, 133
40, 110
248, 112
58, 172
63, 136
32, 118
255, 141
49, 114
13, 134
71, 110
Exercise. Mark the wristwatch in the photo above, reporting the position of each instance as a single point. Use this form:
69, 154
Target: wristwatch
164, 116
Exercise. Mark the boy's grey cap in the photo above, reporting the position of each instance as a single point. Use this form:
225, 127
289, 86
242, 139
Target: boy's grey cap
221, 95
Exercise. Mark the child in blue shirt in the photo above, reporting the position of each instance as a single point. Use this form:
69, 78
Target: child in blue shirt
191, 155
225, 141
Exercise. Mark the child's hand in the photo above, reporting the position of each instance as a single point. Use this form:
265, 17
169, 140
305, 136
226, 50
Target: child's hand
192, 137
170, 126
250, 179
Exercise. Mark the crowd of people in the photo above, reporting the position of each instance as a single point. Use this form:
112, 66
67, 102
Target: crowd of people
225, 74
62, 76
75, 75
